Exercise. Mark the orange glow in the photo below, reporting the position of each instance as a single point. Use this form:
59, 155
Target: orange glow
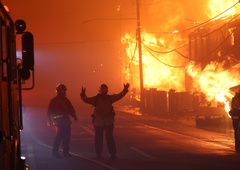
165, 64
6, 8
215, 83
163, 68
217, 7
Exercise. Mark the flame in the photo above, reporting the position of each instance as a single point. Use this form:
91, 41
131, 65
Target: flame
221, 8
160, 64
165, 68
215, 83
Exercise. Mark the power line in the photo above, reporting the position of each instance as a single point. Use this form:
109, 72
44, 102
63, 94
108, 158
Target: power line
75, 42
222, 43
166, 52
172, 50
160, 60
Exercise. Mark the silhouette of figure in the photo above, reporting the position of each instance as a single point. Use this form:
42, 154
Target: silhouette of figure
103, 117
59, 110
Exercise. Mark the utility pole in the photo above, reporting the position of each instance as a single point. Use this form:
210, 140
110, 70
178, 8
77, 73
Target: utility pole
139, 40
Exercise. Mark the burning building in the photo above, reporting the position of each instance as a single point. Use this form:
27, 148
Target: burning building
191, 69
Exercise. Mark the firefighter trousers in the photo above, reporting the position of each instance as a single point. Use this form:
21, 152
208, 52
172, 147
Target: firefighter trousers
236, 127
63, 133
99, 131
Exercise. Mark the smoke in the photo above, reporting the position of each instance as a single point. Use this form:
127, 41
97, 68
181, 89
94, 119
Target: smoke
76, 54
167, 16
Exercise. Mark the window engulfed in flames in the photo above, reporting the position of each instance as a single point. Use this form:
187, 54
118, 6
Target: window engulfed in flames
163, 68
165, 65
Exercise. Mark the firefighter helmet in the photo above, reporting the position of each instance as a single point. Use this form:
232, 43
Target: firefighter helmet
103, 89
61, 88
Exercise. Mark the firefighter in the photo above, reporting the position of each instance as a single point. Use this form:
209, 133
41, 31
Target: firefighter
103, 117
235, 116
59, 111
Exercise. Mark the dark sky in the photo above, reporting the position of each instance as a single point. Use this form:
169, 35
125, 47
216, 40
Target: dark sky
78, 42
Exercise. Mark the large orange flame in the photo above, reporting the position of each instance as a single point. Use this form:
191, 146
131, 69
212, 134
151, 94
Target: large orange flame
164, 67
221, 8
215, 83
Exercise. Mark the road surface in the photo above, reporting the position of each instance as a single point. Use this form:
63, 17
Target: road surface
143, 143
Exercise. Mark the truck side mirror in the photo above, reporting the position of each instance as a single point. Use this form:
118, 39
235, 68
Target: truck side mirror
27, 51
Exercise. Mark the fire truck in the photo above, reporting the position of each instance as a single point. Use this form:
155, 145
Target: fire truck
13, 71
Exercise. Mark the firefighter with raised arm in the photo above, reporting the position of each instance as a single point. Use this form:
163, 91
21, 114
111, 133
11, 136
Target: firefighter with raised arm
103, 117
59, 111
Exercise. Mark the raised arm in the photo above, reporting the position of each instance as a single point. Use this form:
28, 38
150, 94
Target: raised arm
89, 100
121, 94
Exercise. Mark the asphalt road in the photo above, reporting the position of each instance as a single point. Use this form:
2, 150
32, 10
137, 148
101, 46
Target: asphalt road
143, 142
